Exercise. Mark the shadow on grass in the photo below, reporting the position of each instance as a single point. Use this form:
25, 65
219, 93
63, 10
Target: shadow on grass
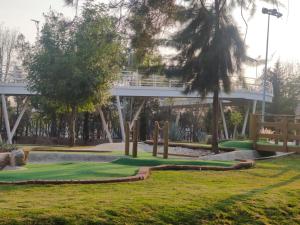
227, 211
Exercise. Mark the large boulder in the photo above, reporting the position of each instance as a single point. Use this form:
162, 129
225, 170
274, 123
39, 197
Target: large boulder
4, 159
17, 157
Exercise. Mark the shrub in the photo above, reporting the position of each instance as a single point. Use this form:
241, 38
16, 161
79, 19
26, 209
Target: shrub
6, 147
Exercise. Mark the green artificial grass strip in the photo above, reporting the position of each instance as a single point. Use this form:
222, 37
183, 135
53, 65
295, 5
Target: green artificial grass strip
158, 161
69, 171
266, 194
244, 144
89, 170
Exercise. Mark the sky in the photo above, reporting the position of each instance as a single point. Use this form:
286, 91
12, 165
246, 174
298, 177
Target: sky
284, 32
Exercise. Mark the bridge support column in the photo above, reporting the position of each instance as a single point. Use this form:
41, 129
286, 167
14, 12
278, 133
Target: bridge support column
246, 119
254, 107
6, 119
104, 125
137, 114
177, 119
224, 120
11, 133
121, 118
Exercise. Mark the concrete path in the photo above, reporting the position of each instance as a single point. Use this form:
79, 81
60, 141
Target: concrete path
241, 154
53, 157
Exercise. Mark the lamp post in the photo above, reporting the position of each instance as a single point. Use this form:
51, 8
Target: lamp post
269, 12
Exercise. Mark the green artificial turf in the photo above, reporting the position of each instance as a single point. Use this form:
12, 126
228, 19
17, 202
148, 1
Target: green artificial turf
90, 170
68, 171
266, 194
151, 161
239, 144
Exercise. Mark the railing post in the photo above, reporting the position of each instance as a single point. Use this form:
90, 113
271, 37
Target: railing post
155, 138
253, 129
166, 139
127, 138
135, 140
285, 132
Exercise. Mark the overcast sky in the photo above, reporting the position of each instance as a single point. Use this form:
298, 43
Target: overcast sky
284, 32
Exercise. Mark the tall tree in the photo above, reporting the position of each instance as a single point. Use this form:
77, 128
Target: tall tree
210, 48
284, 78
76, 62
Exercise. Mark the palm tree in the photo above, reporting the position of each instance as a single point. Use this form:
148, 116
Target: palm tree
210, 48
73, 3
210, 51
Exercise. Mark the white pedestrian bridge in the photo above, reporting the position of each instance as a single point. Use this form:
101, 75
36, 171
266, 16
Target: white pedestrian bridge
132, 84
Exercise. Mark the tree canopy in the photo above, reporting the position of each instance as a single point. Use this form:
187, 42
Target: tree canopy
76, 61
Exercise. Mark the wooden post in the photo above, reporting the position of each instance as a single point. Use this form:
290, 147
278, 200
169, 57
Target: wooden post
285, 133
155, 138
166, 139
296, 132
135, 140
253, 129
127, 138
138, 124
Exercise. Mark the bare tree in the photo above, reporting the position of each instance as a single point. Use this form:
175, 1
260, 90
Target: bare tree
8, 42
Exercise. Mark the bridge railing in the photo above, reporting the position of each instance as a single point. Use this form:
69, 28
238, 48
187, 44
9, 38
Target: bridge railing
134, 79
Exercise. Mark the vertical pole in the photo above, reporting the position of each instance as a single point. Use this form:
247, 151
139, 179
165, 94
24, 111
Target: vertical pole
155, 138
177, 119
137, 113
127, 138
166, 139
296, 133
285, 133
265, 73
121, 118
224, 120
6, 119
246, 120
19, 117
254, 107
135, 141
253, 129
104, 125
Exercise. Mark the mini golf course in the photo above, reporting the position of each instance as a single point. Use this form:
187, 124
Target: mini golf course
122, 167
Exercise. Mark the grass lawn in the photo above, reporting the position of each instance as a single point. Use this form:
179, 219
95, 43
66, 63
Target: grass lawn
90, 170
267, 194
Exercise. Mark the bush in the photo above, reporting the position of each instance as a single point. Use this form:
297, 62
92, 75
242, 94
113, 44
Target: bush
7, 147
175, 133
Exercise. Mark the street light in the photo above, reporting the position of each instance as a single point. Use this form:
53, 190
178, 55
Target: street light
269, 12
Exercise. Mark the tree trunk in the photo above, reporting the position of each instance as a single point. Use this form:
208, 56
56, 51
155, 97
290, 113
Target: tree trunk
72, 132
215, 119
234, 131
85, 133
53, 126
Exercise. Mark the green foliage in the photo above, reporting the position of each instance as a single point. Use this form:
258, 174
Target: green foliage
7, 147
246, 144
76, 62
236, 118
284, 79
175, 133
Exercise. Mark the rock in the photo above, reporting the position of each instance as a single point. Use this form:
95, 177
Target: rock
4, 159
17, 158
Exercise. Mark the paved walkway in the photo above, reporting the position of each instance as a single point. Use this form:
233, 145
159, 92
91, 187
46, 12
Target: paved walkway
53, 157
